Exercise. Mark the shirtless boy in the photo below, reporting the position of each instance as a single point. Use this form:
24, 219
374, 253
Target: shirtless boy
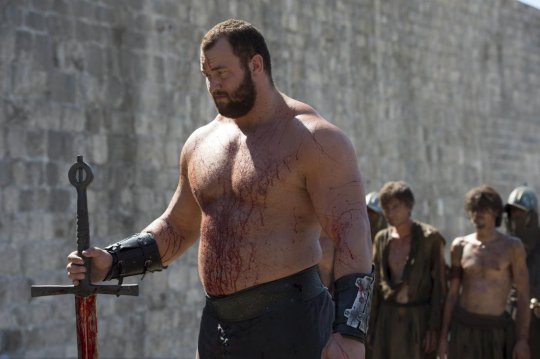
484, 266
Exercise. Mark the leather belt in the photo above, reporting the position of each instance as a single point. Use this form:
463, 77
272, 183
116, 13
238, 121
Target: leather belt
251, 302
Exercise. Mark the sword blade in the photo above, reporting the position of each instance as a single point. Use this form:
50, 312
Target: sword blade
87, 330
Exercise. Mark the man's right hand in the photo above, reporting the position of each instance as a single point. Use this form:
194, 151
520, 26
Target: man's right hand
101, 263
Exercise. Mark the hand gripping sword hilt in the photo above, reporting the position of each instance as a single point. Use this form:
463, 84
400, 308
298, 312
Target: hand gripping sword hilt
80, 176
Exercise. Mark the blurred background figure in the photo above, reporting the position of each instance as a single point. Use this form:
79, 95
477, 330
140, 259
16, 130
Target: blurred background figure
522, 221
377, 221
485, 265
409, 281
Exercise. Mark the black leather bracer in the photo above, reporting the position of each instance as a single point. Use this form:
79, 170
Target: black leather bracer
352, 295
135, 255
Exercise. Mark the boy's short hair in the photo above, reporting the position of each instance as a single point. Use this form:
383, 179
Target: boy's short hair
482, 198
396, 190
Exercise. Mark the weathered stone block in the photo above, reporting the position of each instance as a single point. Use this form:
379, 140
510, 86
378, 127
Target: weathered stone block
5, 172
10, 340
10, 260
59, 27
60, 145
35, 21
43, 52
23, 44
13, 13
94, 60
59, 200
62, 87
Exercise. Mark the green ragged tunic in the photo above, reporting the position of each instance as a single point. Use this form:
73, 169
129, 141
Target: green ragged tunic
397, 330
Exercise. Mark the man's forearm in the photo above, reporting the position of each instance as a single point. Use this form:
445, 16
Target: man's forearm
449, 306
171, 240
523, 317
353, 252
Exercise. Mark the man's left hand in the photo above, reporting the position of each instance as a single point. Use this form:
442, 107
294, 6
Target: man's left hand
340, 347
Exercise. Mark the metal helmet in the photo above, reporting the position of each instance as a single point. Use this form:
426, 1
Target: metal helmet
523, 197
372, 202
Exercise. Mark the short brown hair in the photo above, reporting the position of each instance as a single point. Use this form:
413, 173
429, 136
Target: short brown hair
396, 190
482, 198
246, 41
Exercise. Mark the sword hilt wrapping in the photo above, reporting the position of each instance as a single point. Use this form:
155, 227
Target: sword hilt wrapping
80, 176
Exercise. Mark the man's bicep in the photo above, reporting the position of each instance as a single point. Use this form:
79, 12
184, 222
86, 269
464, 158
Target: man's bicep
183, 209
456, 252
335, 187
179, 226
334, 182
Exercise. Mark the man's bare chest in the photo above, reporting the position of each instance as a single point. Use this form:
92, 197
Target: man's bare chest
398, 255
234, 171
485, 259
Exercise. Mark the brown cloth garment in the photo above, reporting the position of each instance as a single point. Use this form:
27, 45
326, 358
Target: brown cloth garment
533, 265
398, 330
531, 238
476, 336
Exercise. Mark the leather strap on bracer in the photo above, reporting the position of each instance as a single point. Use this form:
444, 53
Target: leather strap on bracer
135, 255
352, 296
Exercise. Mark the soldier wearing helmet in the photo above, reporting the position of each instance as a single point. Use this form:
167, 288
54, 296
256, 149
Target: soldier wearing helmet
522, 216
377, 221
522, 222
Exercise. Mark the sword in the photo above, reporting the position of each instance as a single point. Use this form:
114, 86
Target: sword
80, 175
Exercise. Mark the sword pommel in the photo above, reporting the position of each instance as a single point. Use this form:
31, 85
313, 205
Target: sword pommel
80, 174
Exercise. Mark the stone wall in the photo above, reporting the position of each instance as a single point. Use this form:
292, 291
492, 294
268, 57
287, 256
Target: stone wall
443, 94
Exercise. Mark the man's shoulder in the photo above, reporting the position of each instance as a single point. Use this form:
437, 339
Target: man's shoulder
429, 231
310, 118
382, 236
512, 241
194, 140
300, 109
201, 133
460, 242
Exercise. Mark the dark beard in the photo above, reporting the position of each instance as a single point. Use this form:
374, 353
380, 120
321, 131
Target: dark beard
241, 101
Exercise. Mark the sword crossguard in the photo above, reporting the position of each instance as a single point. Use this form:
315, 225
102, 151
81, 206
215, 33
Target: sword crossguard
84, 290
